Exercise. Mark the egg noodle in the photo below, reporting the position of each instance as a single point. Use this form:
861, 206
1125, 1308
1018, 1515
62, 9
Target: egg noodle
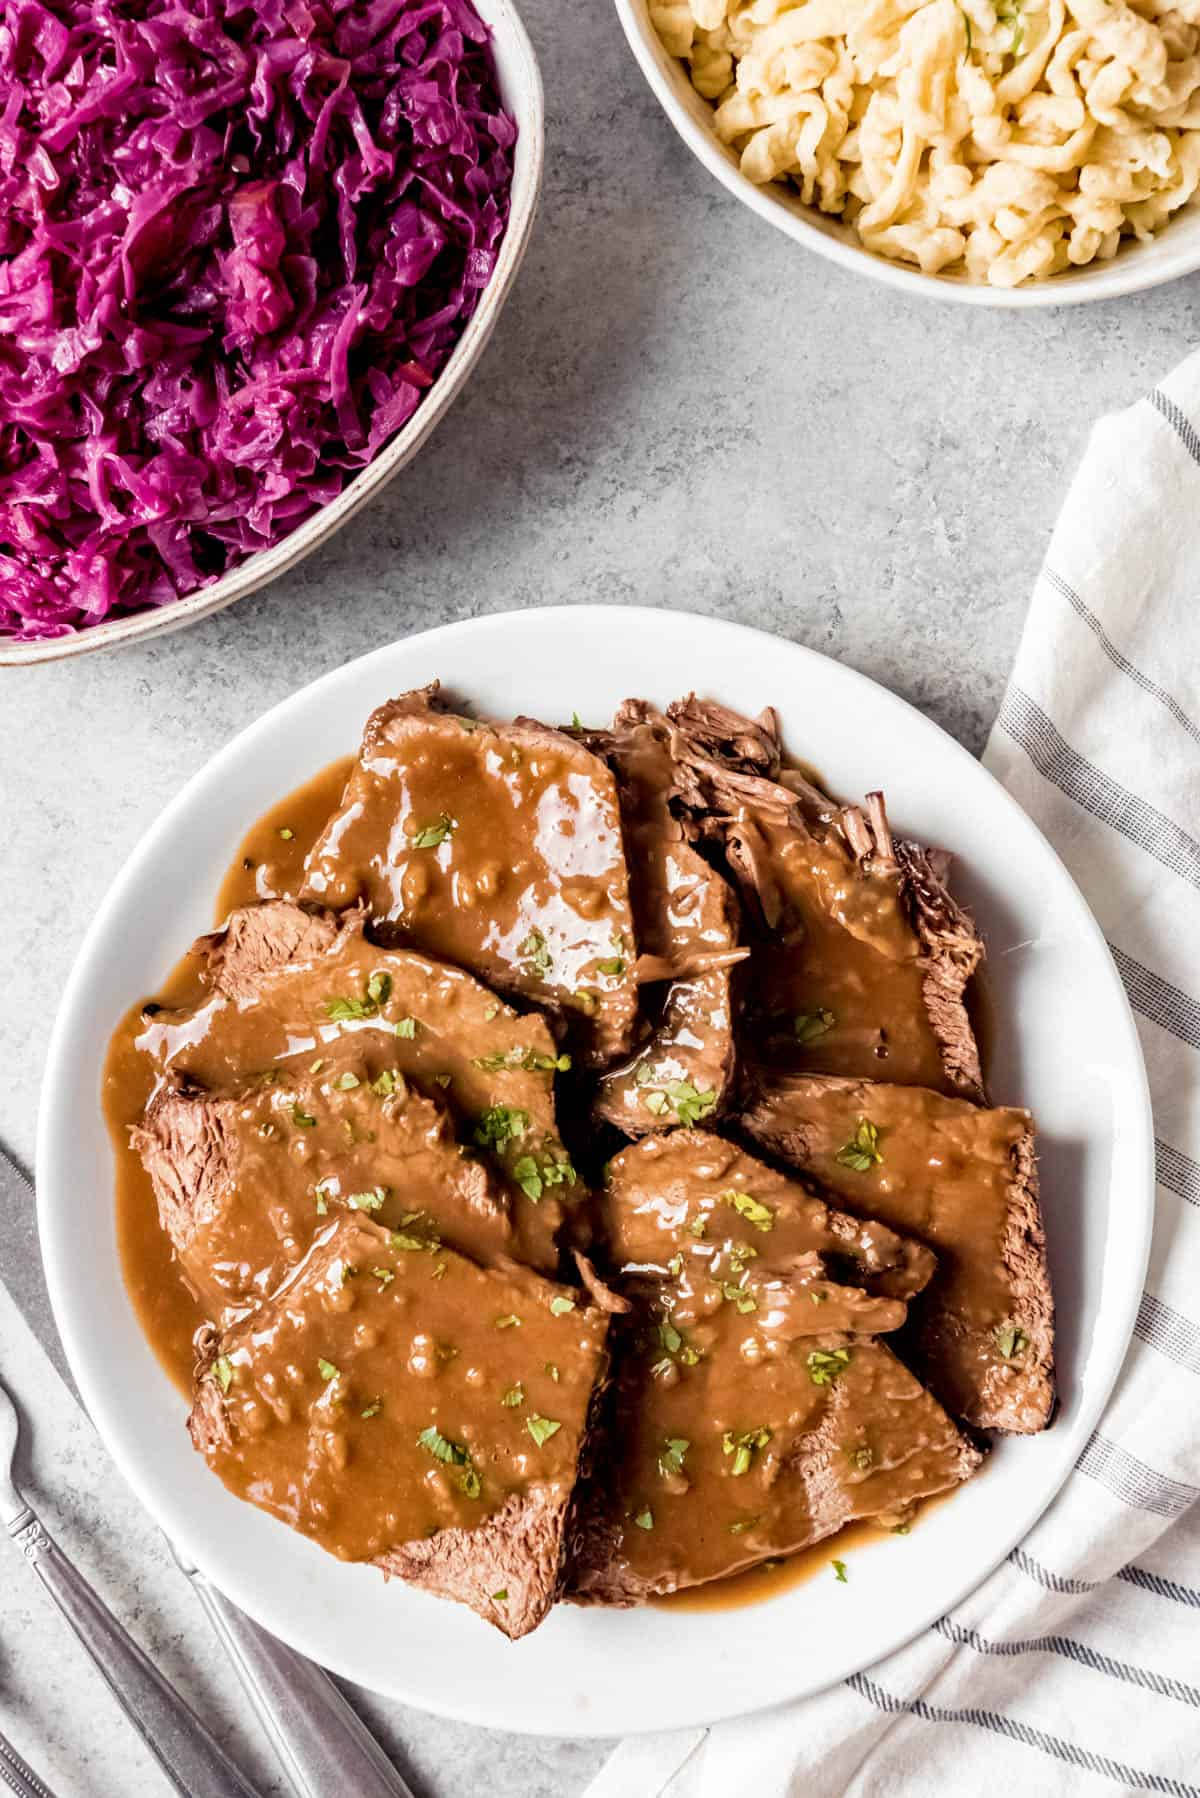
1003, 139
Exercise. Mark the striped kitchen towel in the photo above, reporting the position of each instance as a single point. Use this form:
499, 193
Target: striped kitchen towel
1076, 1667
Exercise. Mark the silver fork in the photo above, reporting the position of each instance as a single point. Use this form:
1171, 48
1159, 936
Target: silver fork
192, 1760
18, 1775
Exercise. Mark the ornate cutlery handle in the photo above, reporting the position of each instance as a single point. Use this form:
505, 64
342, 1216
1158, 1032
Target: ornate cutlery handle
18, 1775
323, 1745
189, 1756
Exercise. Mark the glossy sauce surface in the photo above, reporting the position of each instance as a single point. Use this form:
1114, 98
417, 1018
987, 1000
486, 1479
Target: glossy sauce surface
742, 1438
687, 924
387, 1393
166, 1310
696, 1207
942, 1171
838, 987
497, 848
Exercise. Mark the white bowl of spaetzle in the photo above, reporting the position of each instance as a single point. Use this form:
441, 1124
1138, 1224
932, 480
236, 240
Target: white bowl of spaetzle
998, 152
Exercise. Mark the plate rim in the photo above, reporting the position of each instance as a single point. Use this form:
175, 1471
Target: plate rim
1136, 1115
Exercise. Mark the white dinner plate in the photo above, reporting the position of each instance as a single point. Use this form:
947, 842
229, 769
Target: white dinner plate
1065, 1045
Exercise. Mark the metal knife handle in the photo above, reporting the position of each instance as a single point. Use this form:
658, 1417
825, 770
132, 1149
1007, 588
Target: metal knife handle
323, 1746
192, 1760
18, 1775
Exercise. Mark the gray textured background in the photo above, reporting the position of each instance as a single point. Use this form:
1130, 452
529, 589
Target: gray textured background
680, 408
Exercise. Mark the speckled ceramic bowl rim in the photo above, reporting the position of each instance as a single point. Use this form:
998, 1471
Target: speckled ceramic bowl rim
1137, 266
521, 89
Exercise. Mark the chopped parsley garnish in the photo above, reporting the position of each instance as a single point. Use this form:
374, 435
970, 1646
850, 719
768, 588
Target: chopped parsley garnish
373, 1409
536, 953
327, 1370
223, 1372
671, 1456
406, 1027
675, 1266
542, 1428
406, 1241
384, 1085
452, 1454
368, 1201
862, 1151
552, 1370
576, 721
346, 1082
742, 1525
613, 964
507, 1323
560, 1305
698, 1226
431, 835
532, 1060
303, 1119
384, 1275
817, 1297
500, 1597
739, 1296
499, 1125
285, 833
743, 1445
839, 1570
645, 1518
341, 1009
321, 1189
514, 1396
752, 1209
533, 1177
687, 1101
809, 1025
824, 1365
316, 1066
862, 1456
676, 1345
379, 987
1011, 1340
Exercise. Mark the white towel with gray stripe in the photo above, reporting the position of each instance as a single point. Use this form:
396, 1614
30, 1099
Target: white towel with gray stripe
1076, 1667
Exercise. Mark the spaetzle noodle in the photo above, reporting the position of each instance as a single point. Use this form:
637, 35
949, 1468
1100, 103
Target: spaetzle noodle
1006, 140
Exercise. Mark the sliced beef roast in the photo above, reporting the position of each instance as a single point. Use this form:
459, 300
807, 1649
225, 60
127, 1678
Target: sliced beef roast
293, 991
962, 1180
498, 847
744, 1438
687, 923
862, 957
401, 1405
245, 1182
699, 1208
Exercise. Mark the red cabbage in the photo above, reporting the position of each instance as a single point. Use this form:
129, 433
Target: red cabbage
238, 241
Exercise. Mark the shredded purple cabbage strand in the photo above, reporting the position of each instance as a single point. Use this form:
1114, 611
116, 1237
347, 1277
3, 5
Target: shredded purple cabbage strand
238, 240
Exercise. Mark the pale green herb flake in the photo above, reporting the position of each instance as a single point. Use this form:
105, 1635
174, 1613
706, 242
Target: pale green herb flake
862, 1151
824, 1365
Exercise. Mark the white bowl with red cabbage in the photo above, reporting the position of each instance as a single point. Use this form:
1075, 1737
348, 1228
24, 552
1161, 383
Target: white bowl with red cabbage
249, 252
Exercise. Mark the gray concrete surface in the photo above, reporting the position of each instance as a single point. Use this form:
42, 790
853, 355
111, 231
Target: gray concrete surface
680, 408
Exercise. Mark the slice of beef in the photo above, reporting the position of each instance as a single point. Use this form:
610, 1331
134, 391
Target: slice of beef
397, 1406
245, 1182
862, 956
698, 1208
687, 922
744, 1440
497, 847
962, 1180
290, 989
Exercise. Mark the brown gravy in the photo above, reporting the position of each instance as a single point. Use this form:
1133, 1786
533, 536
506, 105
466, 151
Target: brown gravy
267, 864
757, 1584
